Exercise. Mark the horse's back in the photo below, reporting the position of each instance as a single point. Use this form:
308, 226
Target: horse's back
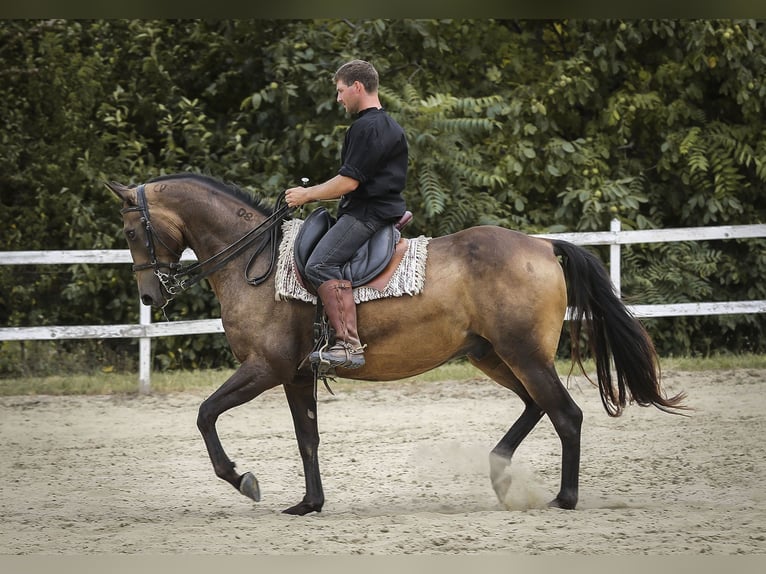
495, 254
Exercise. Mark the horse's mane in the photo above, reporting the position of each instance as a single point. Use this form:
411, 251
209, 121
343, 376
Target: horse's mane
226, 187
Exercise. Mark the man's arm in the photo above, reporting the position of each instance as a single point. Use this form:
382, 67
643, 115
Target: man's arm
333, 188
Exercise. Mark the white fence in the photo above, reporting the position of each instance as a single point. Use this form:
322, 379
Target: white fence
146, 330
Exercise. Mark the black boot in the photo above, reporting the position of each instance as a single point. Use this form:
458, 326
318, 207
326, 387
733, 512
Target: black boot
338, 301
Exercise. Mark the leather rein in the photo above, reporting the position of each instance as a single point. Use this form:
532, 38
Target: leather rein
180, 277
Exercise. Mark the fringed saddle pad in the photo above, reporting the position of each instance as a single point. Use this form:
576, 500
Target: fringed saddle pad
408, 279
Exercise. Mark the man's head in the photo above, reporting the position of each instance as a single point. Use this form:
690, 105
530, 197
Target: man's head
357, 85
358, 71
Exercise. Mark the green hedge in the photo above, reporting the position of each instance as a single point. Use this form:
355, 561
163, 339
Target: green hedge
542, 126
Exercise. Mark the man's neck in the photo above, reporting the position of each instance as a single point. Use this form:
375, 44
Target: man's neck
370, 101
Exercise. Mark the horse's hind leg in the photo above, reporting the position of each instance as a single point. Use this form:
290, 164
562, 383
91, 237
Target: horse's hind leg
547, 390
501, 455
543, 393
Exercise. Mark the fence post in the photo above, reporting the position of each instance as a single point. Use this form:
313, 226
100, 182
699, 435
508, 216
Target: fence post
614, 257
144, 352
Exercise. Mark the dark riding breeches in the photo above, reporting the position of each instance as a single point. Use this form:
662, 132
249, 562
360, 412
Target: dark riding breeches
338, 246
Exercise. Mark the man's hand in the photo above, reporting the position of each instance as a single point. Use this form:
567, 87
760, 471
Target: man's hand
297, 196
334, 188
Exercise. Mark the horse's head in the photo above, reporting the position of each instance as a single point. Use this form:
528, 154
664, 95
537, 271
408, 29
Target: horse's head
155, 243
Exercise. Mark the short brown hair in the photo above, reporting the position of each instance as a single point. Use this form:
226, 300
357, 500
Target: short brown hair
359, 70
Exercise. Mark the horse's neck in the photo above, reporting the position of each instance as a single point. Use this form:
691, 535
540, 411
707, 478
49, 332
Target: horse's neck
212, 222
211, 225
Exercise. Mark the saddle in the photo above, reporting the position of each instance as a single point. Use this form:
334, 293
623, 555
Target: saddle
371, 265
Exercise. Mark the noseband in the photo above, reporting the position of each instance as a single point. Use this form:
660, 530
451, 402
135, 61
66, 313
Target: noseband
179, 277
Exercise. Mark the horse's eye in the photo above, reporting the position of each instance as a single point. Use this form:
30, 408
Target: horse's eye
130, 234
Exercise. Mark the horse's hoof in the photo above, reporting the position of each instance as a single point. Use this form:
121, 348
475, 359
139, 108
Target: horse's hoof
558, 502
502, 486
302, 509
249, 486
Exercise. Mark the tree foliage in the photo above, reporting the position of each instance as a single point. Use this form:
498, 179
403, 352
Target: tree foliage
542, 126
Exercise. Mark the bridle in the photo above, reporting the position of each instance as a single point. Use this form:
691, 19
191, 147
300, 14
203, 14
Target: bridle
180, 277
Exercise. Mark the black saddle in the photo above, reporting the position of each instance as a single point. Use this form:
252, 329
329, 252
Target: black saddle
366, 264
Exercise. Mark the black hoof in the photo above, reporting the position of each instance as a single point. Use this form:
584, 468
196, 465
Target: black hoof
303, 508
558, 502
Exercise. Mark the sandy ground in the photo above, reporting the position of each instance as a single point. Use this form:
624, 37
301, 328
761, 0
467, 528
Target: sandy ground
405, 470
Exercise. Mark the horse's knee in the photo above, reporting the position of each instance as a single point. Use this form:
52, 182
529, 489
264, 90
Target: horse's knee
206, 417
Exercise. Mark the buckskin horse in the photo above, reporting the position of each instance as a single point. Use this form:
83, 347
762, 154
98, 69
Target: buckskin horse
496, 296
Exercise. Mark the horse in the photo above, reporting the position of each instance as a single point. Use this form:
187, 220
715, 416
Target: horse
495, 296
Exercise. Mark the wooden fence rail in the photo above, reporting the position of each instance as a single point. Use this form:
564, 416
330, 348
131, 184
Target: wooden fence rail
145, 330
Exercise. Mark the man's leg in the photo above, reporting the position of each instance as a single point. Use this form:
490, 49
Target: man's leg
323, 269
338, 300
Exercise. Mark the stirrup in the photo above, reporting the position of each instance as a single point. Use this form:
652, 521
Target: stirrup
341, 354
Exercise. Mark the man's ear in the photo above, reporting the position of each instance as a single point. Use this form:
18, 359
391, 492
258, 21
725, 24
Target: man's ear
123, 192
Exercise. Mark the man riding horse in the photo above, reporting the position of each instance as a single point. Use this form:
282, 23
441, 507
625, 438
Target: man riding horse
369, 184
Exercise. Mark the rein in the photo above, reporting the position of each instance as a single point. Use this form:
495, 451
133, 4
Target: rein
180, 277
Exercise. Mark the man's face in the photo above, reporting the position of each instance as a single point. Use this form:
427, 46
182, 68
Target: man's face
349, 95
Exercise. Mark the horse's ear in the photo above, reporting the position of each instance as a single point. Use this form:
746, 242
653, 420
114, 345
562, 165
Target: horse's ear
121, 191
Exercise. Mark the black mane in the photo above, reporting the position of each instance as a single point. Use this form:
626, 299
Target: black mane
227, 188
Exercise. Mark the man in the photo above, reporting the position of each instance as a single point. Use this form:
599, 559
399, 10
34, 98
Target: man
369, 184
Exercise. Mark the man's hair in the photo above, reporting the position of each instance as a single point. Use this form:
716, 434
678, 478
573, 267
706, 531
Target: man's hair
359, 70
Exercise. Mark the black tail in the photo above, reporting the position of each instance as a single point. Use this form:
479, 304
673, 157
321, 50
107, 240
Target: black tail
612, 331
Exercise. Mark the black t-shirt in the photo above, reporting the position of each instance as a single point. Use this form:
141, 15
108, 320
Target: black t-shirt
375, 154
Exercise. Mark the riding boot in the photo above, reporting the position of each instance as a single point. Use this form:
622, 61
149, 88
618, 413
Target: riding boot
338, 301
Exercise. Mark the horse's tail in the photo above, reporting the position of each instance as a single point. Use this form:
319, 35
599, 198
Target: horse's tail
611, 331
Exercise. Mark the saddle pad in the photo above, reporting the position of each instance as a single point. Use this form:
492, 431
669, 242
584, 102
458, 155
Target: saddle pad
408, 279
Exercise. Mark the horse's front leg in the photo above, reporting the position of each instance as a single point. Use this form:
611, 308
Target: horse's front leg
303, 406
245, 384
